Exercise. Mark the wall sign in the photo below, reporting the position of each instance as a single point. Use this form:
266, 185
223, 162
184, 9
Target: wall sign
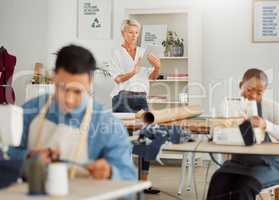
94, 19
266, 21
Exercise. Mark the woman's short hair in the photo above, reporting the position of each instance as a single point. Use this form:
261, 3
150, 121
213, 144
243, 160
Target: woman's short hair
129, 22
255, 73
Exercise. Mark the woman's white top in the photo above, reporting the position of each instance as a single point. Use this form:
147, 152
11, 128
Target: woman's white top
122, 63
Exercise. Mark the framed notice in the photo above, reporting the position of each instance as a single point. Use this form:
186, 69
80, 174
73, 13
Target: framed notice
266, 21
153, 35
94, 19
152, 38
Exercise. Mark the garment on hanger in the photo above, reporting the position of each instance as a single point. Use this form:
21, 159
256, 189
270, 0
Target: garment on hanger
7, 66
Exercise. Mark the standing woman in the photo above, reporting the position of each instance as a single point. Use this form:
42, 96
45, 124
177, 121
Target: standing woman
131, 78
244, 176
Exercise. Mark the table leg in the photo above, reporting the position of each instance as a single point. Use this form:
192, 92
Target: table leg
183, 173
140, 196
191, 158
139, 167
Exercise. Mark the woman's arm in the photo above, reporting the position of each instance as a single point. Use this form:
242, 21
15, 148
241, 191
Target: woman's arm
155, 62
272, 121
272, 129
272, 118
125, 77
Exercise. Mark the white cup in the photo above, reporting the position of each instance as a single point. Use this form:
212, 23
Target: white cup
251, 108
57, 180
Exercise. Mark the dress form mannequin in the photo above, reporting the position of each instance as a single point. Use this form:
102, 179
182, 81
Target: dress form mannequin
7, 66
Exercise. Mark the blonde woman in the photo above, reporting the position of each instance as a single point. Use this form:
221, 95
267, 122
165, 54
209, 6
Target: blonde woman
131, 78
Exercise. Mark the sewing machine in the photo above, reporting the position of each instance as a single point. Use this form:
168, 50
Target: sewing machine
227, 134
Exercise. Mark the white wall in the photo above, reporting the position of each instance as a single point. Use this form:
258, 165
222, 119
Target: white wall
228, 50
23, 33
62, 28
33, 29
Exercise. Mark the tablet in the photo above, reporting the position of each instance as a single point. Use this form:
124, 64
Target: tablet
157, 51
144, 61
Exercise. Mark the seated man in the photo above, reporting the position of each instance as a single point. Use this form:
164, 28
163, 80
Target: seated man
72, 124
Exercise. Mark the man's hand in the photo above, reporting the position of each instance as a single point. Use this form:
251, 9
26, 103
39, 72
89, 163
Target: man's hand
100, 169
47, 155
258, 122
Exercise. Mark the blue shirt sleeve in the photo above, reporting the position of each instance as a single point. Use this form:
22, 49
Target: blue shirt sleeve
117, 149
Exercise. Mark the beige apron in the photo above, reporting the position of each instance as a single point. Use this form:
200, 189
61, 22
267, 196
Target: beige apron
72, 142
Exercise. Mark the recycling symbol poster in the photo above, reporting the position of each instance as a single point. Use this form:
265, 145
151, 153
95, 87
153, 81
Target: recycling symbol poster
94, 19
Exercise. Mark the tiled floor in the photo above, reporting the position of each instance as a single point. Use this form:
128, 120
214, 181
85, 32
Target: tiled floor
166, 178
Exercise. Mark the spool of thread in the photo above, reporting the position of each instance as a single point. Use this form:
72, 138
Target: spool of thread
35, 171
57, 180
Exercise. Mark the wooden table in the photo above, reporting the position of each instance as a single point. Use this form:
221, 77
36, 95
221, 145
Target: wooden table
196, 125
88, 189
210, 147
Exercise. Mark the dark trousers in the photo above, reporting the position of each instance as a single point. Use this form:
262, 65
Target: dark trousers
131, 103
226, 186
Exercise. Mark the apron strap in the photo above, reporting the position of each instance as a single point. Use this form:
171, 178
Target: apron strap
84, 128
266, 138
41, 122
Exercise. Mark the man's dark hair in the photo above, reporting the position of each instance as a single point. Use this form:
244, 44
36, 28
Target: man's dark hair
75, 60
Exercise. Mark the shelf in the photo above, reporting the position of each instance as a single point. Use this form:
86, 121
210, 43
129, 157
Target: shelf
157, 11
166, 102
174, 58
165, 80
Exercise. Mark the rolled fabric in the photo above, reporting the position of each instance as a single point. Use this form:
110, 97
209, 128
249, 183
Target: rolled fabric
170, 114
